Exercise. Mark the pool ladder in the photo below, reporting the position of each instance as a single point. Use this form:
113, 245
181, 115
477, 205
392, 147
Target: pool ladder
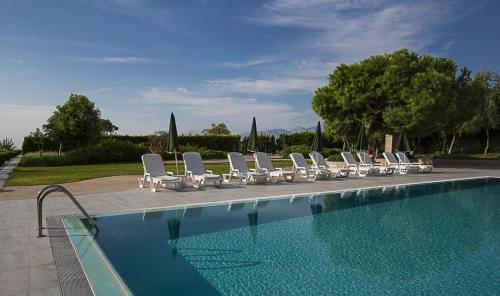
58, 188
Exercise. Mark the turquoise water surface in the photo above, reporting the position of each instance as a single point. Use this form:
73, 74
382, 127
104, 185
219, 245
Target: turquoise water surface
435, 239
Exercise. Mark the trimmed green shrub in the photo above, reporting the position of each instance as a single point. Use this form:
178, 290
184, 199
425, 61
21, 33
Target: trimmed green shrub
105, 152
226, 143
213, 154
303, 149
6, 155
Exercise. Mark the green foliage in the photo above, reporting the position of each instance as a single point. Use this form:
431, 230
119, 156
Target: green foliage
265, 143
7, 144
106, 152
225, 143
217, 129
7, 155
303, 149
213, 154
486, 116
387, 91
77, 123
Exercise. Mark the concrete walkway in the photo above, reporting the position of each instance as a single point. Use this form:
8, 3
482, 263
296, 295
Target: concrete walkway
27, 264
7, 168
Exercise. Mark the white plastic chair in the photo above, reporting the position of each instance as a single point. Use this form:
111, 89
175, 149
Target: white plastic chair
404, 160
263, 164
303, 170
357, 168
320, 162
155, 174
365, 159
238, 168
195, 171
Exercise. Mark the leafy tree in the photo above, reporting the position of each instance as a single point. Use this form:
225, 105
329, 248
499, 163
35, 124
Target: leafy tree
385, 92
217, 129
7, 144
486, 115
39, 139
77, 123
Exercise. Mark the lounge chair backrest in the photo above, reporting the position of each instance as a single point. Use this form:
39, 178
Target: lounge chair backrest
153, 165
262, 161
390, 158
299, 161
403, 158
193, 163
349, 158
237, 162
365, 158
318, 159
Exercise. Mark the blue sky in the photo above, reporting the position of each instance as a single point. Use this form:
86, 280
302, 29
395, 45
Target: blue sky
214, 61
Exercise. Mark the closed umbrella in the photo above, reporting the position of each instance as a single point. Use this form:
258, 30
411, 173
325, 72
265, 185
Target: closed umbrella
403, 145
317, 144
172, 142
362, 142
252, 138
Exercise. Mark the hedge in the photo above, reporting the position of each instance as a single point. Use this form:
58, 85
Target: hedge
6, 155
226, 143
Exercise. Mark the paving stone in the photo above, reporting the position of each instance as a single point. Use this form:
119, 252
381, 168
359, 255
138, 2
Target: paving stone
14, 260
43, 277
14, 282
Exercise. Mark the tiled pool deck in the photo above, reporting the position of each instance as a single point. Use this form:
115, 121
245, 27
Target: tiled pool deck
26, 262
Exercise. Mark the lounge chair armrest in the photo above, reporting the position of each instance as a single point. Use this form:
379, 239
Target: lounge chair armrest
252, 170
322, 167
278, 169
170, 174
210, 172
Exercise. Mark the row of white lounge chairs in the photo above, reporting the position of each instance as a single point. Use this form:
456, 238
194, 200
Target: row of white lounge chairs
155, 175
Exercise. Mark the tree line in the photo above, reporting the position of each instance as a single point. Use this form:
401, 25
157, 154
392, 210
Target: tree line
426, 94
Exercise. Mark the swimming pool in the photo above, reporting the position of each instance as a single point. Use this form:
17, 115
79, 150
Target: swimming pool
437, 238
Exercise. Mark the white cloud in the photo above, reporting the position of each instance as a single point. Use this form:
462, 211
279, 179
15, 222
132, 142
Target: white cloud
13, 61
16, 121
347, 31
276, 86
195, 110
245, 64
118, 60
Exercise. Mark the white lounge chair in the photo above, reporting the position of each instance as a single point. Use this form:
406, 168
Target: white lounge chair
239, 169
400, 168
263, 164
320, 162
364, 158
403, 159
155, 174
195, 171
357, 168
303, 170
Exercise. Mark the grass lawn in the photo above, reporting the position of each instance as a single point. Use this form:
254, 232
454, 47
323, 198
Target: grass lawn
23, 176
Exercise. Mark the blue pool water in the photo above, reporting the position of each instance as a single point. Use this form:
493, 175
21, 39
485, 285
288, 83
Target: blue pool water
439, 239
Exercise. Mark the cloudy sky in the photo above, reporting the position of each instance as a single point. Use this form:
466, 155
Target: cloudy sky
214, 60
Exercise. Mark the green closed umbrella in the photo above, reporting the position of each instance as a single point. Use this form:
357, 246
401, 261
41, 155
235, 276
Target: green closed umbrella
172, 142
362, 142
403, 145
252, 138
317, 144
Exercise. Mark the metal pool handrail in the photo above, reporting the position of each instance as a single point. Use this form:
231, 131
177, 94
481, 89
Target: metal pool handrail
58, 188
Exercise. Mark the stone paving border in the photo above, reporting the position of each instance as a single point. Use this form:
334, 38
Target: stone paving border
6, 169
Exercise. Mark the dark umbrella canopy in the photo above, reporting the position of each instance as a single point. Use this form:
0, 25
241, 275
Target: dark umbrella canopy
252, 138
172, 143
403, 145
317, 144
362, 142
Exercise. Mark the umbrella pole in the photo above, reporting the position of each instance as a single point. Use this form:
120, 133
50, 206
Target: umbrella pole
176, 165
